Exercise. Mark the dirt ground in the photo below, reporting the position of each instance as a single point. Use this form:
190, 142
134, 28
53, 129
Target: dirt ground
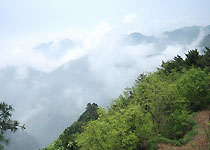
199, 142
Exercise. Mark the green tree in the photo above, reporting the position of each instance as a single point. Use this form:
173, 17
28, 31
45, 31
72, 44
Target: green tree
194, 85
6, 123
66, 141
159, 96
177, 64
193, 58
205, 59
121, 130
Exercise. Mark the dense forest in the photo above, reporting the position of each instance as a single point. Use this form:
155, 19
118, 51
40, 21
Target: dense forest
160, 107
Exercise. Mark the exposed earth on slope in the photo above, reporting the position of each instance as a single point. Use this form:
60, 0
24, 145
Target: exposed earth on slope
200, 141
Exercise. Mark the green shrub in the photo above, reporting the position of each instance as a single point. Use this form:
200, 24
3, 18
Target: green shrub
195, 86
154, 141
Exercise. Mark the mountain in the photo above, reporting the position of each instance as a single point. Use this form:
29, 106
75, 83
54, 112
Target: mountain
182, 36
205, 42
41, 99
138, 38
206, 29
185, 35
55, 49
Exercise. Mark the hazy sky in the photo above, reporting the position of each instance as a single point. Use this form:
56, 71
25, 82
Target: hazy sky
26, 23
28, 18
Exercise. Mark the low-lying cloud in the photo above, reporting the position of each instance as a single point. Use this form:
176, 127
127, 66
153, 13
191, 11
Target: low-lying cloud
50, 83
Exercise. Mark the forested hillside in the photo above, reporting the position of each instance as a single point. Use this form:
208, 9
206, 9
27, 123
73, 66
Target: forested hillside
67, 139
160, 107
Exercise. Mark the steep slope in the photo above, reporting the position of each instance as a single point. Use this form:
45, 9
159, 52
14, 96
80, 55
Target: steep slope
67, 139
158, 107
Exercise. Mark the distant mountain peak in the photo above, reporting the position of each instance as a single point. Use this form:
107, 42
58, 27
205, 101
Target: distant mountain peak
138, 38
55, 49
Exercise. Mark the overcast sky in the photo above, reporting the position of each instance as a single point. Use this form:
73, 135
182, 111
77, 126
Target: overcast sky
23, 18
26, 23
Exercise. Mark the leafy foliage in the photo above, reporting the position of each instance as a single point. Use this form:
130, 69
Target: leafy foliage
195, 86
6, 123
193, 58
116, 130
66, 140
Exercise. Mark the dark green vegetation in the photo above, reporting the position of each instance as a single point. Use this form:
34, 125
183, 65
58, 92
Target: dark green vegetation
66, 141
159, 108
6, 123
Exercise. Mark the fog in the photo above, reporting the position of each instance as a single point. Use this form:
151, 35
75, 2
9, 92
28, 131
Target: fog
50, 82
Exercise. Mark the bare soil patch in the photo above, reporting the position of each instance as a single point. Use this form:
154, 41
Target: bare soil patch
199, 142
